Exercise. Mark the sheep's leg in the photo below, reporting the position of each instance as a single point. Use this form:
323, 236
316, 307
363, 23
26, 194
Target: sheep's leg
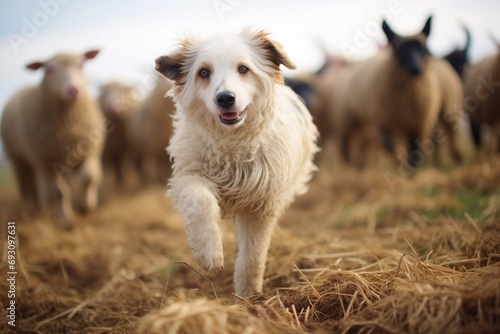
495, 138
89, 181
373, 145
120, 171
253, 237
344, 144
338, 154
388, 141
197, 205
117, 172
368, 146
438, 144
327, 157
25, 177
400, 146
354, 148
476, 133
150, 170
415, 155
455, 144
451, 126
55, 197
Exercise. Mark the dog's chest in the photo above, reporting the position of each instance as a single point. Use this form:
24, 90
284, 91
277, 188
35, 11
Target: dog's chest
243, 180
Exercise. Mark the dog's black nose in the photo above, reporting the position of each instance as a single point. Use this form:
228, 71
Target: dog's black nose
225, 99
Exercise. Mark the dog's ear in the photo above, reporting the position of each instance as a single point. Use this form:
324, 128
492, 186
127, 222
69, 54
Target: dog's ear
274, 50
170, 66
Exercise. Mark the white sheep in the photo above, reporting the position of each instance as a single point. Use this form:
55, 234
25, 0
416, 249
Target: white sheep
118, 102
150, 131
53, 134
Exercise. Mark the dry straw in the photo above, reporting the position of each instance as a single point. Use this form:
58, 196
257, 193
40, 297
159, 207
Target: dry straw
371, 260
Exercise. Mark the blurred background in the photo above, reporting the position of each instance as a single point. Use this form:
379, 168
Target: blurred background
132, 34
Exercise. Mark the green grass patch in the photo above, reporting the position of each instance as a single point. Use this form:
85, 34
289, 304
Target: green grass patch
6, 176
383, 213
347, 218
468, 202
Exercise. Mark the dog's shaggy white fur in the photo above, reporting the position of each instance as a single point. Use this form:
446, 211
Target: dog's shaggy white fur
242, 146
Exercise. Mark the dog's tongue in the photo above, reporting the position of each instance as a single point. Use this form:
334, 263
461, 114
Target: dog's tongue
230, 116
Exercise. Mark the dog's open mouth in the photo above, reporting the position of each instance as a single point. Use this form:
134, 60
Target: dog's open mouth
231, 118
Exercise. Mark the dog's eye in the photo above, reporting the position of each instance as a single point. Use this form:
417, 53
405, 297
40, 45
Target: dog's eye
204, 73
243, 69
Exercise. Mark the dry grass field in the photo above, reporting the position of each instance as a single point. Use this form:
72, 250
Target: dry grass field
356, 254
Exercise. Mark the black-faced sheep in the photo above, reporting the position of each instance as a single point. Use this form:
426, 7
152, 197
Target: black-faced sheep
118, 101
482, 98
150, 131
53, 133
401, 92
459, 57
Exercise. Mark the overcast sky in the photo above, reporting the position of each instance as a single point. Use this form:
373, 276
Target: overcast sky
131, 34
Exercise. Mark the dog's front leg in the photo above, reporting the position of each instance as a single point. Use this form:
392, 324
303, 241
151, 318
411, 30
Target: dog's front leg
253, 237
197, 204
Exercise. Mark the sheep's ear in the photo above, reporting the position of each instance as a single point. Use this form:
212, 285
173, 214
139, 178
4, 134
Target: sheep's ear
389, 33
274, 50
170, 66
35, 66
91, 54
467, 37
427, 27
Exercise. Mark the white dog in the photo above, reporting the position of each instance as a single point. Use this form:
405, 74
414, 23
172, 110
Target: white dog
242, 146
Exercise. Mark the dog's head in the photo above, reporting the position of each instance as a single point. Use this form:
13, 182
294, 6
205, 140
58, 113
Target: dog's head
410, 51
223, 76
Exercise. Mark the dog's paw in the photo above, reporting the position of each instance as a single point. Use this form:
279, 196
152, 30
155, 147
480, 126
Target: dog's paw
212, 262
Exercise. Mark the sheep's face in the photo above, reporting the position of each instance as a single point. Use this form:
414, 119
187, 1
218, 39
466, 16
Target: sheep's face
223, 79
64, 76
409, 51
118, 100
411, 54
458, 59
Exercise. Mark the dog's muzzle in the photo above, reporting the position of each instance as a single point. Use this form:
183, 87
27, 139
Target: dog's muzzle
231, 118
226, 101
